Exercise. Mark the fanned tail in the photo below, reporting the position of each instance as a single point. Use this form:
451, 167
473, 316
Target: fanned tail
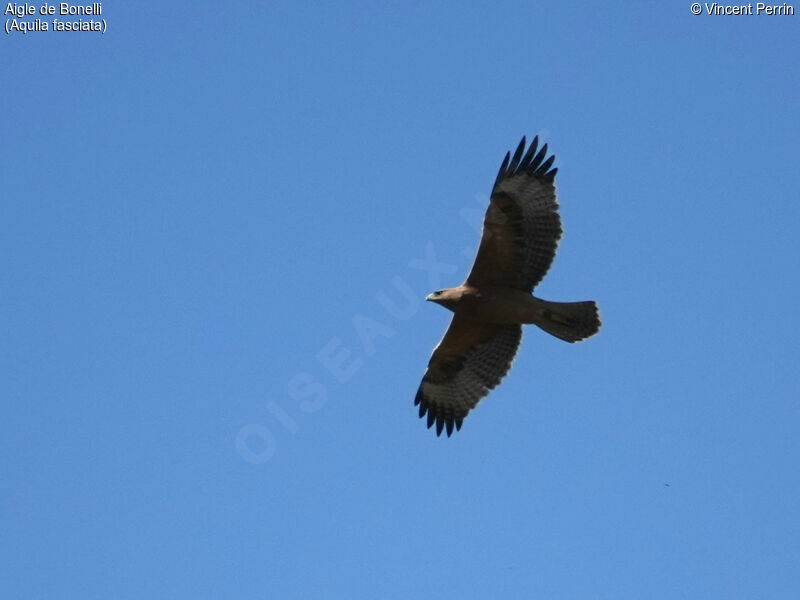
568, 321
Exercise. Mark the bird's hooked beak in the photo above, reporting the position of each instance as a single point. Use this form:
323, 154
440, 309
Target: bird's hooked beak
429, 297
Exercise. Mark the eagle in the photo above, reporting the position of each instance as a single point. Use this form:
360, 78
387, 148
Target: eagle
521, 230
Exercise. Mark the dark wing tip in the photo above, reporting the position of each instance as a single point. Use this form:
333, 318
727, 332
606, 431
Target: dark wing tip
419, 397
532, 162
542, 170
517, 155
501, 173
526, 161
443, 420
537, 160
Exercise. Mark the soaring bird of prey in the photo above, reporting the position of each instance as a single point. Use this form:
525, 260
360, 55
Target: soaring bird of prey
520, 234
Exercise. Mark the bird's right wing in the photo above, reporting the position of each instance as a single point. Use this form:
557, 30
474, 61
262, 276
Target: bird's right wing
471, 359
522, 227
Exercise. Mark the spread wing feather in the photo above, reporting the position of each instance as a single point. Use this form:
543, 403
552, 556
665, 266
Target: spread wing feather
522, 227
471, 359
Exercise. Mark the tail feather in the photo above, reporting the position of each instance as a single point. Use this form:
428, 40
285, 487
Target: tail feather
569, 321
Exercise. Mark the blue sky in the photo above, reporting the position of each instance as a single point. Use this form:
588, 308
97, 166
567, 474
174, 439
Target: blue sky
202, 204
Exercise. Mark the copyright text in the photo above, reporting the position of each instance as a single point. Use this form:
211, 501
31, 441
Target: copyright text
757, 9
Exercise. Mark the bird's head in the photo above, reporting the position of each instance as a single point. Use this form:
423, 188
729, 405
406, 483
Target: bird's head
434, 296
447, 298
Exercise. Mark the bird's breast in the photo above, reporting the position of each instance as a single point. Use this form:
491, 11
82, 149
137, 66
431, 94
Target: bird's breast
498, 305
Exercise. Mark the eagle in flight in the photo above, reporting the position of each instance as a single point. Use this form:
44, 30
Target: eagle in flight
520, 234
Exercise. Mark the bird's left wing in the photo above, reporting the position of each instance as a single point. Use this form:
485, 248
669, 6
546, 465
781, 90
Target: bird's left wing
470, 360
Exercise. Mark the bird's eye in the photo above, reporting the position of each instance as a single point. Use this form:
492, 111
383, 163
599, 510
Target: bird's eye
437, 293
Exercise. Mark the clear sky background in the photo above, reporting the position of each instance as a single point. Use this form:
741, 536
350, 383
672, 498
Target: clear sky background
202, 204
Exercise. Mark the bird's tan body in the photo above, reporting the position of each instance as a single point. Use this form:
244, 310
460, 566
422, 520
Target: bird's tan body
501, 305
492, 304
